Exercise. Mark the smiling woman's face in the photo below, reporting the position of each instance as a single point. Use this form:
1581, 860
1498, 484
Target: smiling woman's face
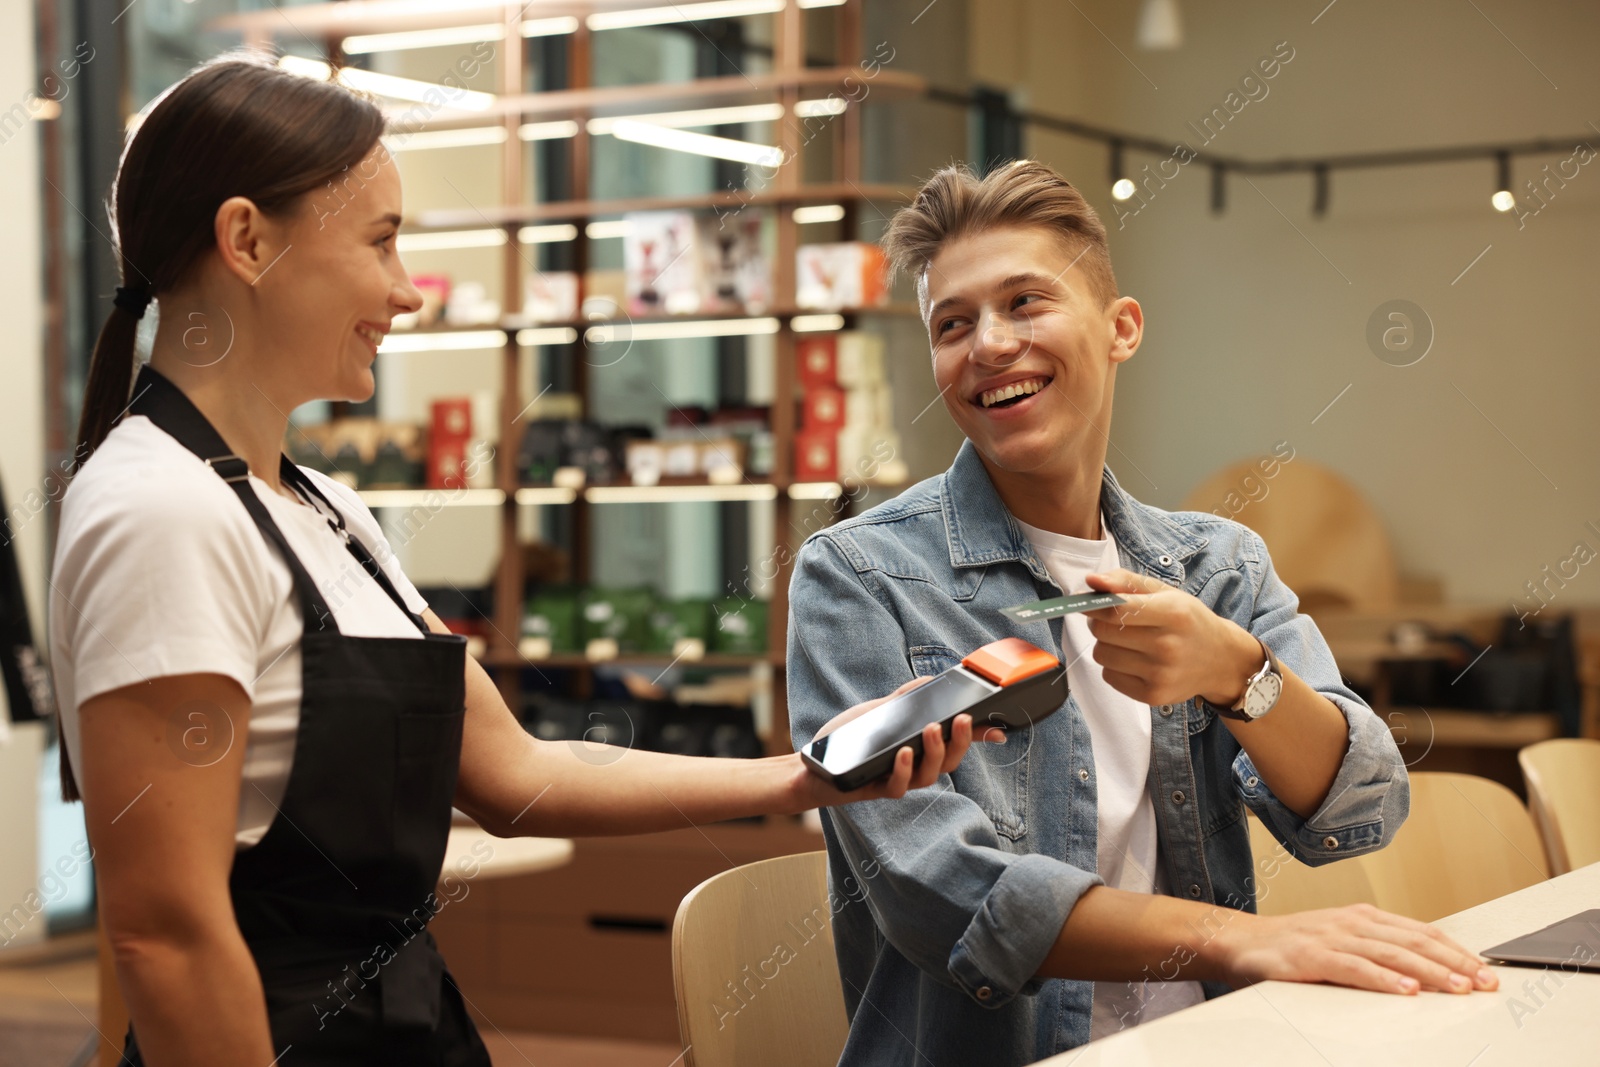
1022, 349
342, 277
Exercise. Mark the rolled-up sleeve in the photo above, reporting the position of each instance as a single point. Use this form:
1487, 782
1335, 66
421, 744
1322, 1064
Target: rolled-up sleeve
930, 865
1371, 795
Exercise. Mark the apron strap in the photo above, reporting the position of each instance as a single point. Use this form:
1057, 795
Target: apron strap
157, 399
296, 477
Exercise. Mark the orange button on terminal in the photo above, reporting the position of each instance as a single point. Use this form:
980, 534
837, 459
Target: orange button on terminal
1010, 660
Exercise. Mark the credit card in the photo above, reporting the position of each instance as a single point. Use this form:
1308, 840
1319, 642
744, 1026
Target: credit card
1063, 605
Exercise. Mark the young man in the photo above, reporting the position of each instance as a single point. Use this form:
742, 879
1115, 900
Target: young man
1094, 871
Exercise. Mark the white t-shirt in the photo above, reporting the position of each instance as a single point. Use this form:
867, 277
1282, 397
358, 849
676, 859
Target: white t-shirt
1119, 732
159, 570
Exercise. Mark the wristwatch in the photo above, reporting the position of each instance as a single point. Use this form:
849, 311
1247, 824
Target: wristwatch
1261, 690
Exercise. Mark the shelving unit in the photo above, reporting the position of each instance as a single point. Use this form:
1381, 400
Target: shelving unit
790, 85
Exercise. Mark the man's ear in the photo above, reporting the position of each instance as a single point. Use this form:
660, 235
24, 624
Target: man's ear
1127, 327
247, 241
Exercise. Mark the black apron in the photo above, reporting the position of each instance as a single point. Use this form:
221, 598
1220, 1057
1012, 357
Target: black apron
335, 900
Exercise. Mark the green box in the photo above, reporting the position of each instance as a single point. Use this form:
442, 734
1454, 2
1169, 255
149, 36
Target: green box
741, 626
552, 613
673, 620
620, 614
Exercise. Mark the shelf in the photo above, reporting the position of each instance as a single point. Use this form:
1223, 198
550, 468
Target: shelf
685, 490
627, 659
669, 491
415, 498
455, 338
900, 309
567, 210
351, 17
623, 100
1450, 728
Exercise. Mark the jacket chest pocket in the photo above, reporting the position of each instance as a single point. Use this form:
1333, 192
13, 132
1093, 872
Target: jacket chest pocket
995, 777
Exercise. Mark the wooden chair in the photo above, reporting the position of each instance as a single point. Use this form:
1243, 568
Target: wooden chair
1284, 885
1327, 540
754, 967
1563, 779
1467, 840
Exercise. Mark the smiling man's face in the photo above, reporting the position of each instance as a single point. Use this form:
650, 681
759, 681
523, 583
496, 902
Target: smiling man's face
1024, 353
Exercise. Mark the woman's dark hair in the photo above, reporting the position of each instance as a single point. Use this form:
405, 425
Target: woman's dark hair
238, 125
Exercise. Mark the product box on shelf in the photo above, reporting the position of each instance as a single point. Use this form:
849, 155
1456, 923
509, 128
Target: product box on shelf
550, 296
664, 272
469, 305
816, 358
735, 270
848, 359
549, 445
679, 263
860, 359
447, 463
449, 438
869, 405
716, 459
816, 455
851, 274
862, 451
618, 615
435, 289
551, 614
452, 417
363, 453
672, 621
823, 408
741, 626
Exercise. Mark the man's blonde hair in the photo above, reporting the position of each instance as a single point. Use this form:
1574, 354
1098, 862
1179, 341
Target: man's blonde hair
955, 203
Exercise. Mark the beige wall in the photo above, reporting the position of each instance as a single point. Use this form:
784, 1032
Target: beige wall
1253, 327
22, 352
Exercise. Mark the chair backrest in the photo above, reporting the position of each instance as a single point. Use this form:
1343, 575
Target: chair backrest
1467, 840
754, 967
1285, 885
1328, 542
1563, 779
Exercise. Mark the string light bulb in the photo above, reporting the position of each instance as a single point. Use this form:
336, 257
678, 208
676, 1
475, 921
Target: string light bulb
1122, 187
1503, 199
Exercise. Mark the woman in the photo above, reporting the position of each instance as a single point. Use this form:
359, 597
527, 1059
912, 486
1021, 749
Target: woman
269, 726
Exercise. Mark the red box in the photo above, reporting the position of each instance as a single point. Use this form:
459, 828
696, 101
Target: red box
452, 419
447, 463
818, 360
816, 456
824, 409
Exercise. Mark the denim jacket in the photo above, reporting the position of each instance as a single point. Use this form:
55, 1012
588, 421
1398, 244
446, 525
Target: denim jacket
946, 901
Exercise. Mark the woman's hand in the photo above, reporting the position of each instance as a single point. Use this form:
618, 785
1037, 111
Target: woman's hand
1358, 945
938, 758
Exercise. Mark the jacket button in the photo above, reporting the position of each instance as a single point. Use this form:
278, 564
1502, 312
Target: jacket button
1166, 711
1194, 891
1083, 774
1330, 842
1251, 782
1178, 798
1164, 560
984, 992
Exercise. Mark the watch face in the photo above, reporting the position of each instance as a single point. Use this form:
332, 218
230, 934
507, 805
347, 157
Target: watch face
1263, 695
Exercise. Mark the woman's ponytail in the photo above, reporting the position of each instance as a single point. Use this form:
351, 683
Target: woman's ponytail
105, 398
